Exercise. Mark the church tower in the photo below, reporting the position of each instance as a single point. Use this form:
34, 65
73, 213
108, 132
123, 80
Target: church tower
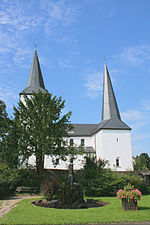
35, 81
113, 139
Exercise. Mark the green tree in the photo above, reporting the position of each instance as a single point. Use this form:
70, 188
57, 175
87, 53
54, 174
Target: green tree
10, 152
4, 125
41, 128
142, 162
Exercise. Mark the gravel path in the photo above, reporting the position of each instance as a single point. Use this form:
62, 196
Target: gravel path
11, 203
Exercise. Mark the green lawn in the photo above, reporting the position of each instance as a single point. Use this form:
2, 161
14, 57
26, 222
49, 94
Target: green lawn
26, 213
1, 204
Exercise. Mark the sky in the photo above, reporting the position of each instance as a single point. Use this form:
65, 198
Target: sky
73, 37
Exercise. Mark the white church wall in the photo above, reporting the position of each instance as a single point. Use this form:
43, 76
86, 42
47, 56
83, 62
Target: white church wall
22, 99
63, 165
115, 145
78, 163
98, 145
89, 141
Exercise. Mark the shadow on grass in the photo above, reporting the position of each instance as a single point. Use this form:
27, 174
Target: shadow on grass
143, 208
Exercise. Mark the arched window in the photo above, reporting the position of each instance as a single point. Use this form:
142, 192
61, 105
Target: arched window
59, 143
117, 162
82, 142
71, 142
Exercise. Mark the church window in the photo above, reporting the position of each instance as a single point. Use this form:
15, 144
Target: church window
71, 160
59, 143
71, 142
82, 142
57, 161
117, 162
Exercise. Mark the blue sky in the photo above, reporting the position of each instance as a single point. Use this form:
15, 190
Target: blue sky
73, 37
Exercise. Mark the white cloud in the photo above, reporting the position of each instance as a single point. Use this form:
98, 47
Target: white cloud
94, 84
9, 95
65, 63
21, 56
138, 137
15, 18
131, 115
62, 11
146, 105
135, 55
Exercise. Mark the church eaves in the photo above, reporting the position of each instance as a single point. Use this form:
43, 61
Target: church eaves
35, 81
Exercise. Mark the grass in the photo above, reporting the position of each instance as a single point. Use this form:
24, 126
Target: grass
26, 213
1, 202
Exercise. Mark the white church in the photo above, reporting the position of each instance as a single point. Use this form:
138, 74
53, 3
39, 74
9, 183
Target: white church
108, 140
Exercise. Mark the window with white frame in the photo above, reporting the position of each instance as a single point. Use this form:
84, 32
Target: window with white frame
71, 142
117, 162
82, 142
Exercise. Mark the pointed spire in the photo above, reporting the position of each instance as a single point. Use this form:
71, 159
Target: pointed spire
109, 109
35, 81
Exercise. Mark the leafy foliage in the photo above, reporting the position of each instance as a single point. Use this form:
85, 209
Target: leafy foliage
50, 188
4, 121
4, 126
99, 181
142, 162
41, 127
8, 178
10, 153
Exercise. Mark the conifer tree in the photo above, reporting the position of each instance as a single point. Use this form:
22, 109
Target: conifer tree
4, 126
41, 127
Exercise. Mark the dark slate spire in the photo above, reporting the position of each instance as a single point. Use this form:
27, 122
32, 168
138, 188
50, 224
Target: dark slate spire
35, 81
109, 108
110, 113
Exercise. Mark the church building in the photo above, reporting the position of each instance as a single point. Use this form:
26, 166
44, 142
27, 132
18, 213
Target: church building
109, 140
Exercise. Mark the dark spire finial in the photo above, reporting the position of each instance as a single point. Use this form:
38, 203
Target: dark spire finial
104, 60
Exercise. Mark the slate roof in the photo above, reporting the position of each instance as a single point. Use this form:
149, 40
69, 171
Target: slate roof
112, 124
110, 113
82, 130
109, 107
35, 81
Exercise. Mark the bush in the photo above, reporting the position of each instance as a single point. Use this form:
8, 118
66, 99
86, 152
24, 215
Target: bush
98, 181
11, 178
28, 177
50, 188
8, 178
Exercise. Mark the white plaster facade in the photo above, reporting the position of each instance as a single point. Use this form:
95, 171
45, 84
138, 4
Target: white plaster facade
115, 146
111, 145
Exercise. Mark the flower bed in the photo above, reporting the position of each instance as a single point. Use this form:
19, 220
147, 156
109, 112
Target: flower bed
130, 197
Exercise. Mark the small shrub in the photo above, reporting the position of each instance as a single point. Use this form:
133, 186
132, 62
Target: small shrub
50, 188
130, 193
8, 179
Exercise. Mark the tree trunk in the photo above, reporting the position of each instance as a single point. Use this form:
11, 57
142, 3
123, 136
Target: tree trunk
40, 165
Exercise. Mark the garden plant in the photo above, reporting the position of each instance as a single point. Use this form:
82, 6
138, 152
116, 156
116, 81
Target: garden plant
130, 197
